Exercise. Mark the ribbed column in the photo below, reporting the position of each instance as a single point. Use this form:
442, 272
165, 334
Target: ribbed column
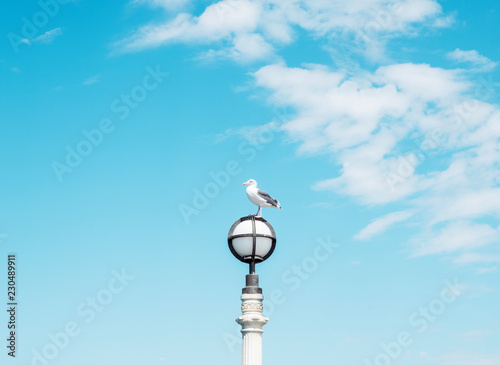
251, 322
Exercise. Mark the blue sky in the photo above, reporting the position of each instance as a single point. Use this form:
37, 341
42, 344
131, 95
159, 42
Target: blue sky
129, 127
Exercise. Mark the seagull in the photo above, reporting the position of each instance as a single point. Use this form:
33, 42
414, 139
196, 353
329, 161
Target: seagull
260, 198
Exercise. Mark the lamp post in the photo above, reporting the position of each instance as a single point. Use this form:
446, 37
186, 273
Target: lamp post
252, 240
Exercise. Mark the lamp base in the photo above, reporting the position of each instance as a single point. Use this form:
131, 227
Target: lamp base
252, 285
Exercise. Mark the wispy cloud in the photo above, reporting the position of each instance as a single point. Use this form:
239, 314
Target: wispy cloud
469, 204
465, 358
474, 335
473, 58
245, 48
365, 120
251, 29
382, 224
456, 236
225, 20
46, 38
487, 270
252, 134
471, 257
362, 119
165, 4
91, 80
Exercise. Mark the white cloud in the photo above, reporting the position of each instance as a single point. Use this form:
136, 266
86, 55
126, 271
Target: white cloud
46, 38
466, 358
91, 80
473, 58
251, 47
470, 204
166, 4
368, 120
456, 236
381, 224
487, 270
363, 119
358, 22
421, 82
246, 47
364, 173
220, 21
471, 257
334, 111
475, 335
254, 135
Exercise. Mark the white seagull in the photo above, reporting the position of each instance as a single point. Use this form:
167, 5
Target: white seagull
260, 198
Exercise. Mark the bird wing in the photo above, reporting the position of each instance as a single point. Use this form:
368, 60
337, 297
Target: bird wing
267, 198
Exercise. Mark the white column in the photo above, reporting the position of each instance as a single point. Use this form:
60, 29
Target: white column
251, 323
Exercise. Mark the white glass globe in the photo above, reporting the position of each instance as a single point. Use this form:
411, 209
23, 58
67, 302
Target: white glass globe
241, 238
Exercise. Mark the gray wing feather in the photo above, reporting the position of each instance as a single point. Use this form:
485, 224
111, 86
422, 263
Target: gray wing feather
267, 197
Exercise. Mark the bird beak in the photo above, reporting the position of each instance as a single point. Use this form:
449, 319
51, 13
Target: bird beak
245, 183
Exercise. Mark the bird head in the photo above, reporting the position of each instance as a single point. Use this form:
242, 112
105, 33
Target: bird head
251, 182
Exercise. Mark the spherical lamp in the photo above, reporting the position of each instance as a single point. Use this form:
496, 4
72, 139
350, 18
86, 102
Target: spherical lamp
251, 240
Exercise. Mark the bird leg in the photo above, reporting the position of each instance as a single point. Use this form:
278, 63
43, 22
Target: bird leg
257, 214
